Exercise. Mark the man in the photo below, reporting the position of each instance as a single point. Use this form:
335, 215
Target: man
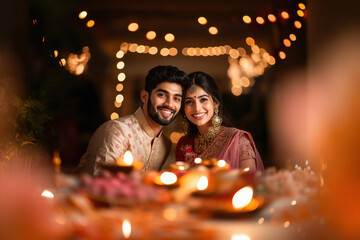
141, 132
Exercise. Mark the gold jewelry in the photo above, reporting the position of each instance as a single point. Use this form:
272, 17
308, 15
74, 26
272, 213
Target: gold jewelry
216, 119
185, 125
193, 87
202, 141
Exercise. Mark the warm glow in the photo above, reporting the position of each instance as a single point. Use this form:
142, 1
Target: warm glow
282, 55
242, 51
128, 158
260, 20
271, 60
82, 15
114, 115
119, 87
121, 77
292, 37
153, 50
297, 24
150, 35
246, 169
221, 163
233, 53
126, 228
302, 6
236, 90
300, 13
169, 37
164, 52
261, 220
272, 18
245, 81
140, 49
63, 62
255, 49
286, 224
293, 202
133, 27
120, 54
47, 194
117, 105
119, 98
247, 19
168, 178
197, 160
213, 30
56, 53
242, 197
250, 41
120, 65
202, 183
90, 23
285, 15
173, 51
240, 237
287, 42
202, 20
170, 214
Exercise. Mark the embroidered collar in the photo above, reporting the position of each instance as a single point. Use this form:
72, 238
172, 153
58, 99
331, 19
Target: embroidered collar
139, 114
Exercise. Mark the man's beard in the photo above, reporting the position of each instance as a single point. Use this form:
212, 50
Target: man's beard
156, 115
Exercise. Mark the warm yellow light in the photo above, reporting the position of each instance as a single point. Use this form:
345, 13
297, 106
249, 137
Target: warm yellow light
150, 35
119, 87
272, 18
170, 214
285, 15
246, 169
213, 30
202, 20
255, 49
169, 37
56, 53
297, 24
250, 41
292, 37
233, 53
260, 20
119, 98
236, 90
287, 42
126, 228
120, 65
168, 178
133, 27
261, 220
82, 14
121, 77
164, 52
47, 194
293, 203
247, 19
117, 104
90, 23
300, 13
114, 115
173, 51
240, 237
63, 62
242, 51
128, 158
133, 47
282, 55
140, 49
302, 6
120, 54
242, 197
286, 224
202, 183
153, 50
236, 82
271, 60
197, 160
221, 163
245, 82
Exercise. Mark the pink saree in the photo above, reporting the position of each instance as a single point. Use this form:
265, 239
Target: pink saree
231, 144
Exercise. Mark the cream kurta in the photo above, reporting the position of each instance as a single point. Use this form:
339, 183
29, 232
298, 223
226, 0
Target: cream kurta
131, 132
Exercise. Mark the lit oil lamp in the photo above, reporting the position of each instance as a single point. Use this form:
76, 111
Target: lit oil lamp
126, 228
180, 165
124, 164
47, 194
168, 179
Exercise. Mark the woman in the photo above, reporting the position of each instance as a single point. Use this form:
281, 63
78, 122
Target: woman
206, 137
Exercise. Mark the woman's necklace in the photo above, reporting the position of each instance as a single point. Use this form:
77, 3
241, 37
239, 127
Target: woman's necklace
202, 141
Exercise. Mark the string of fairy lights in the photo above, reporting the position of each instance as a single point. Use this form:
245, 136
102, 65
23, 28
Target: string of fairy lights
244, 65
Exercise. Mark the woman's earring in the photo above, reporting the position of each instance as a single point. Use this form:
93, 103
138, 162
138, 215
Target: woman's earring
216, 119
185, 125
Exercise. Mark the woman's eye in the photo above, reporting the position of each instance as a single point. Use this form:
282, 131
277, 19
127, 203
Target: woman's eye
187, 101
203, 99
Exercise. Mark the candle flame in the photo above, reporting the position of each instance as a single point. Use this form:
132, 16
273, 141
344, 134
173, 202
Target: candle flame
47, 194
242, 197
128, 158
202, 183
181, 168
126, 228
197, 160
168, 178
221, 163
240, 237
246, 169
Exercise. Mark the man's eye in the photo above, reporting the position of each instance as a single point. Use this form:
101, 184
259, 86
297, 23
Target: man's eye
161, 95
177, 99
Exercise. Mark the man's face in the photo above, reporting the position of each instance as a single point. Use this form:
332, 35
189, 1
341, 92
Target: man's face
164, 102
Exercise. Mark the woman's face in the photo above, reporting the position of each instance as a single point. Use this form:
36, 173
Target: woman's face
199, 108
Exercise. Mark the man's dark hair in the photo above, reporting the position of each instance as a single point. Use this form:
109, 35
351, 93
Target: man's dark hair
162, 74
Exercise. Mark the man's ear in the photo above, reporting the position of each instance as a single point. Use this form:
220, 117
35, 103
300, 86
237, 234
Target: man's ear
144, 96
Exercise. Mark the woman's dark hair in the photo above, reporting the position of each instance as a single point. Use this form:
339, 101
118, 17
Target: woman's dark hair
207, 83
160, 74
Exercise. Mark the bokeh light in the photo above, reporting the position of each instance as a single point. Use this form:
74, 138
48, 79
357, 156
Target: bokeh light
213, 30
169, 37
133, 27
150, 35
202, 20
247, 19
82, 14
90, 23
